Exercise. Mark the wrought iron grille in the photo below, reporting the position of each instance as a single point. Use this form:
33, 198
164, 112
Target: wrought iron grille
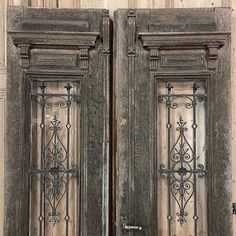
52, 162
182, 168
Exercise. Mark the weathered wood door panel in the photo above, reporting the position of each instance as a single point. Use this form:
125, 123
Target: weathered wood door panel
171, 144
172, 110
57, 157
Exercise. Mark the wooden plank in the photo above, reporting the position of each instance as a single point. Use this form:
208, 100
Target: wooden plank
93, 4
2, 33
68, 3
193, 4
18, 2
169, 4
140, 4
113, 5
37, 3
226, 3
159, 3
51, 3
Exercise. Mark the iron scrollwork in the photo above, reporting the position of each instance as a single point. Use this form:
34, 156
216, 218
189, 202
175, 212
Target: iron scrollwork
55, 156
182, 169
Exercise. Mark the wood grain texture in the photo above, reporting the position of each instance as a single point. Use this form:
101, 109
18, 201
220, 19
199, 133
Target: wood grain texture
2, 32
199, 3
93, 3
94, 77
140, 3
36, 3
114, 4
18, 2
136, 178
68, 4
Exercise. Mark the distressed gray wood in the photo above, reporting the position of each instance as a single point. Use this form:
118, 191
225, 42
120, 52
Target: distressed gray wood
151, 45
58, 43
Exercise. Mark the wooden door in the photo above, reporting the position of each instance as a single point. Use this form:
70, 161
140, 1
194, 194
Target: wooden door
172, 122
57, 158
171, 144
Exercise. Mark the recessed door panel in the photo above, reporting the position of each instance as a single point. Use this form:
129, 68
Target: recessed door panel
181, 158
55, 157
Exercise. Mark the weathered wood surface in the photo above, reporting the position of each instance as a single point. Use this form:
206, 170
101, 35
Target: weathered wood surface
143, 40
113, 5
81, 52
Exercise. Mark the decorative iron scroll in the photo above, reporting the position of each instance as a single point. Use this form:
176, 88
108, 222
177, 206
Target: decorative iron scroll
55, 156
182, 169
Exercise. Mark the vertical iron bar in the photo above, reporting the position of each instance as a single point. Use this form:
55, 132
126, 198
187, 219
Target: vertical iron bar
42, 180
68, 125
169, 87
194, 126
181, 176
81, 135
55, 178
206, 122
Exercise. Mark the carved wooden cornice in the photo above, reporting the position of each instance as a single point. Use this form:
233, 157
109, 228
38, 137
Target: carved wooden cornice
209, 41
54, 38
26, 40
183, 39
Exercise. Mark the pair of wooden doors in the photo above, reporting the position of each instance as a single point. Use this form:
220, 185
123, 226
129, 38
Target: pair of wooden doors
144, 150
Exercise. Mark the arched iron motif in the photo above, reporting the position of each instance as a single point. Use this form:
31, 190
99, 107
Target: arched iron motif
182, 169
55, 167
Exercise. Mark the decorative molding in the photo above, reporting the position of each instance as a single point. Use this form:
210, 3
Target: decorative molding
27, 40
46, 74
25, 55
106, 110
183, 39
54, 58
131, 33
131, 54
83, 58
154, 59
47, 39
212, 56
105, 31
